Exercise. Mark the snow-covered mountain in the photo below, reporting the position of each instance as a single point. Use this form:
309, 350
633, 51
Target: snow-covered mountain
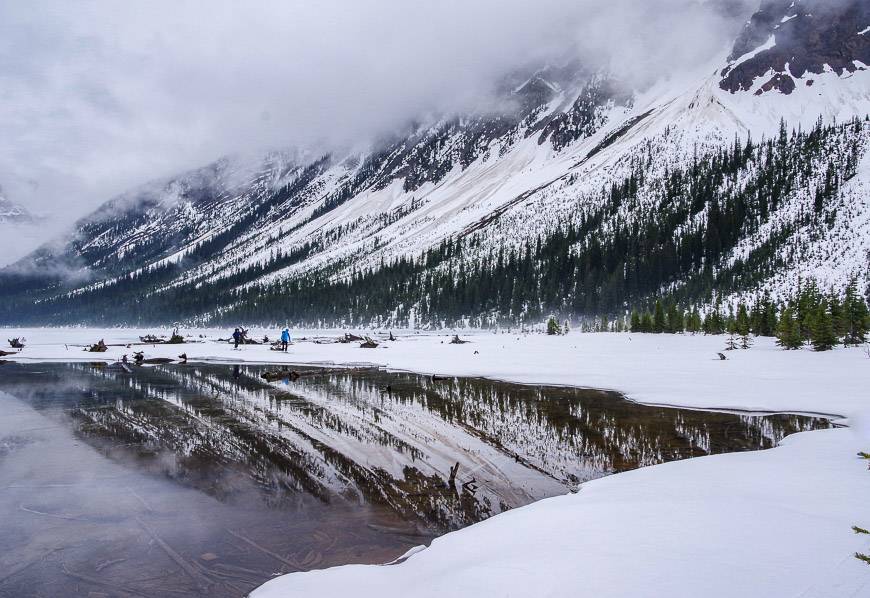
12, 213
739, 178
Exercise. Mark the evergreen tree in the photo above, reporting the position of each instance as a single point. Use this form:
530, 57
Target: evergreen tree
659, 323
807, 307
635, 321
763, 318
675, 319
731, 322
770, 320
856, 316
646, 322
714, 323
788, 332
553, 327
822, 336
693, 321
741, 325
838, 314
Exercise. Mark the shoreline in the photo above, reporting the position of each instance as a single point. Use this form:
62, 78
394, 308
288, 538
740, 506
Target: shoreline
837, 419
775, 522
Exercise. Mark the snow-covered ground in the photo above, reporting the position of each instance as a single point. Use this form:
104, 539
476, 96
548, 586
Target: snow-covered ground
773, 523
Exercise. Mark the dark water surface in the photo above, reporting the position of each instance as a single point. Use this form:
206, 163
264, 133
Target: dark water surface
204, 480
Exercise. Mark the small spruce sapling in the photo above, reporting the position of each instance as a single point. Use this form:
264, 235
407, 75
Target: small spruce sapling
742, 327
731, 343
553, 327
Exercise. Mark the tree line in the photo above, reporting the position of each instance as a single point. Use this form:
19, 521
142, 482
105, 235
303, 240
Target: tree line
807, 316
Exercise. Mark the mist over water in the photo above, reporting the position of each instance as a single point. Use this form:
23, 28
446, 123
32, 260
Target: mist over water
205, 479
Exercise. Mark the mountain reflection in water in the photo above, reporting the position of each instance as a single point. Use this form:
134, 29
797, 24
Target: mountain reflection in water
336, 466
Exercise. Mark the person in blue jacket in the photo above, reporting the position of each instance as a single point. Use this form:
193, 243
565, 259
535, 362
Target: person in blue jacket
237, 338
285, 339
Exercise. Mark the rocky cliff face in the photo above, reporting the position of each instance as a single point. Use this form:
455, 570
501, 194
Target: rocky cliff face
786, 42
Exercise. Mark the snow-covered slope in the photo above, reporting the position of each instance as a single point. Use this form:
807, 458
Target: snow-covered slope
496, 180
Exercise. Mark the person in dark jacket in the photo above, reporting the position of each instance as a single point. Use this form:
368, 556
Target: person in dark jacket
237, 338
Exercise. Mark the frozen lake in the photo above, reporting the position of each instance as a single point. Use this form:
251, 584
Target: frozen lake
206, 480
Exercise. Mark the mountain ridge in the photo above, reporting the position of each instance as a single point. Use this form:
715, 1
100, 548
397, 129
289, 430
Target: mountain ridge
502, 180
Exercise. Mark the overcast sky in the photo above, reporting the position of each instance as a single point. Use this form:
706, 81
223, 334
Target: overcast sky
96, 97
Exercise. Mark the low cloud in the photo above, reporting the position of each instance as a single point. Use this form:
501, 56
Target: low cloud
101, 96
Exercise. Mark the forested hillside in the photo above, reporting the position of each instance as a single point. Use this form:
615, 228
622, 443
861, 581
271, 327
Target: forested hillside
580, 197
723, 225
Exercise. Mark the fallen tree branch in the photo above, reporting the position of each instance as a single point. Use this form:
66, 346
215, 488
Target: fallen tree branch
100, 566
22, 566
140, 499
100, 582
202, 581
264, 550
35, 512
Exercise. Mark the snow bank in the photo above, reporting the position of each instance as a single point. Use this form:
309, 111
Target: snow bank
751, 524
773, 523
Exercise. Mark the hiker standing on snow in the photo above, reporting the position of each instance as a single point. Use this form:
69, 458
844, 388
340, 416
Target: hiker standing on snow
285, 339
237, 338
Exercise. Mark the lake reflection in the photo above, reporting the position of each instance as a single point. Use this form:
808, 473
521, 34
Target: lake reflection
205, 479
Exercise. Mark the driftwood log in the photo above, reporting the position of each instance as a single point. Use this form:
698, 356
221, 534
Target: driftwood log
175, 339
369, 344
16, 343
99, 347
139, 358
458, 341
6, 353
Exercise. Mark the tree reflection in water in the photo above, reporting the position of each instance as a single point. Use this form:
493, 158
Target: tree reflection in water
344, 466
